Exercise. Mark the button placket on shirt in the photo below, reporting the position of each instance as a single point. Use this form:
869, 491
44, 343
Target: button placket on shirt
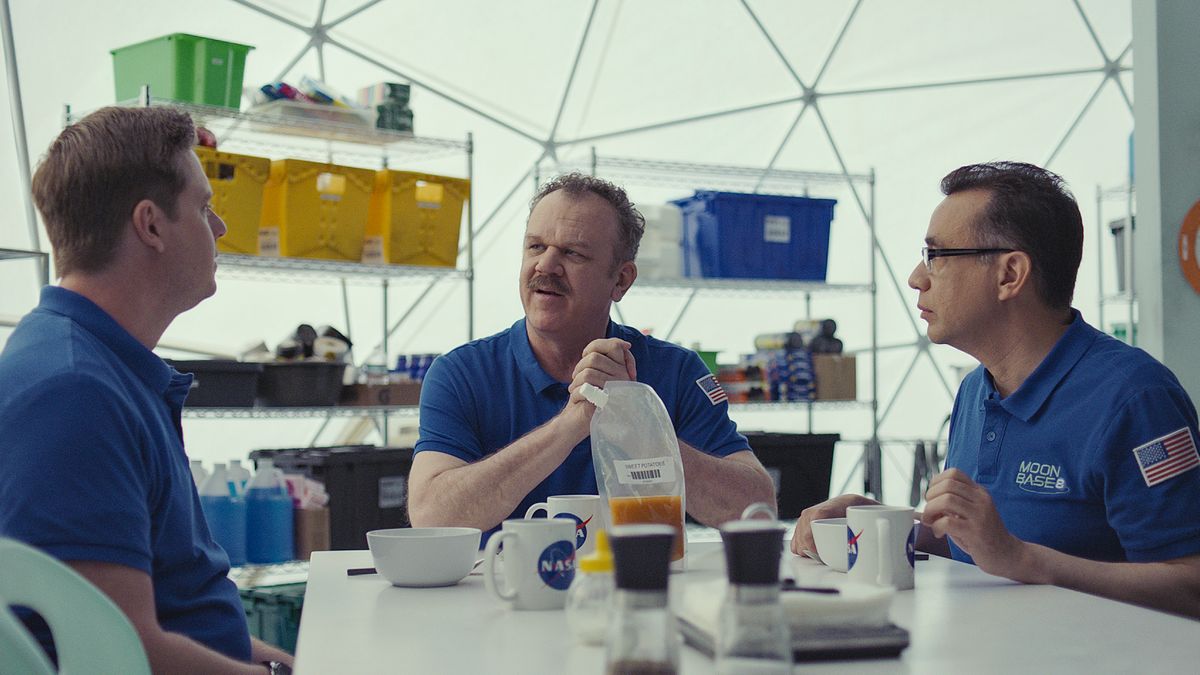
994, 421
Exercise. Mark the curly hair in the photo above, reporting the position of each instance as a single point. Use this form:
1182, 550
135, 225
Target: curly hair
630, 222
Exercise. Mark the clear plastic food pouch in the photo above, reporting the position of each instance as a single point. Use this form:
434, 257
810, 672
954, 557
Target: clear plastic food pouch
636, 455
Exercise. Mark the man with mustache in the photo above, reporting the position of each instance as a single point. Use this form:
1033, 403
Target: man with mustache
503, 424
1072, 457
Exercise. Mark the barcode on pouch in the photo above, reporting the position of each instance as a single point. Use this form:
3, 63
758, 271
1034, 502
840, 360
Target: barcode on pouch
645, 471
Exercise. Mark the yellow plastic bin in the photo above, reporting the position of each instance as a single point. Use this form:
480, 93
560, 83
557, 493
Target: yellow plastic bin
314, 210
415, 218
237, 183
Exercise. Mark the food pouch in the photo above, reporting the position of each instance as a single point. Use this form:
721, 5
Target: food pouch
636, 458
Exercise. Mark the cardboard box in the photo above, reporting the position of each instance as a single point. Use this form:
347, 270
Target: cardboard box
395, 393
836, 377
312, 531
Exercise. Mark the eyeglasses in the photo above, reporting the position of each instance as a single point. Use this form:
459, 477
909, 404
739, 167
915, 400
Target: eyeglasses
928, 254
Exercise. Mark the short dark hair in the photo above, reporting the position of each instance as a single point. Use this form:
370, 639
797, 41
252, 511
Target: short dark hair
630, 223
1030, 209
98, 169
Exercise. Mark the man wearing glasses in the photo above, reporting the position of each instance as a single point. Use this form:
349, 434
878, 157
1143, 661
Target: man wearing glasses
1073, 457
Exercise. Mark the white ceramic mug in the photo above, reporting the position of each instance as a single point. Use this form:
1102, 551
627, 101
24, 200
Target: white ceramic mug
586, 511
880, 545
539, 562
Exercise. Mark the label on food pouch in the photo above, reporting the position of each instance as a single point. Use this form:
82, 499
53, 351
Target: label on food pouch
645, 471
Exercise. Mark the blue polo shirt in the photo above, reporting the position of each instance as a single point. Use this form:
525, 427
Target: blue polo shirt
92, 464
1057, 455
486, 394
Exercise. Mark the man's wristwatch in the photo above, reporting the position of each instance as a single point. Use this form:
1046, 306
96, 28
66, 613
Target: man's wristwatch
277, 668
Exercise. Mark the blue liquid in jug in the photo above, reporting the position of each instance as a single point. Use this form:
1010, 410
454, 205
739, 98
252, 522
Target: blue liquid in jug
268, 525
226, 518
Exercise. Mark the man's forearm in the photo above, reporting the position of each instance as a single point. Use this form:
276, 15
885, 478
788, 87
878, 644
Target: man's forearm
261, 651
718, 489
1173, 586
484, 493
176, 653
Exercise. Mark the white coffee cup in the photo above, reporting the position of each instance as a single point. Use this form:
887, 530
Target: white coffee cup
880, 545
586, 511
539, 562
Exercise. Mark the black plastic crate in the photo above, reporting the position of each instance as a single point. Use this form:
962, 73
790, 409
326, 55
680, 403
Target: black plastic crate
302, 383
800, 465
367, 486
220, 383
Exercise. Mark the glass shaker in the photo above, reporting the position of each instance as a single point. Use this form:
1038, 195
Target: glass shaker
589, 599
641, 637
753, 635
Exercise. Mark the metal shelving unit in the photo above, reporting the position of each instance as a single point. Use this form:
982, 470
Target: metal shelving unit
307, 133
42, 257
1126, 195
298, 412
687, 175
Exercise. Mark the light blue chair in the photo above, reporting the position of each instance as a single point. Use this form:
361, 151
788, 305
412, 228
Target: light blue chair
91, 634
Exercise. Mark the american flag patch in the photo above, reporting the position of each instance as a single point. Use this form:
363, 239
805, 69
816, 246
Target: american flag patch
712, 389
1167, 457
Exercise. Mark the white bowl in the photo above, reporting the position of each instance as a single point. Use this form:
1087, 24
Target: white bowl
424, 556
830, 536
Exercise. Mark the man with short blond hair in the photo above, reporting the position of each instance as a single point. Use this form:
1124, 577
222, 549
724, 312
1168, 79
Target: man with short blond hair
94, 466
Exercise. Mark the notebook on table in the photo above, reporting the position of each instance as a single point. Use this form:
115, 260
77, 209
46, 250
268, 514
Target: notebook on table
851, 623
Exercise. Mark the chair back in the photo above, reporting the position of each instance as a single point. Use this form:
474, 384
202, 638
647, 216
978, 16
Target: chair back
19, 652
91, 634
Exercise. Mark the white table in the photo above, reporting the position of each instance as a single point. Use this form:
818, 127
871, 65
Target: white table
961, 620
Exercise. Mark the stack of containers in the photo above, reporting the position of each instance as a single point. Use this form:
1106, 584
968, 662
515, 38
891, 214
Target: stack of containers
268, 516
237, 183
733, 235
314, 210
225, 513
182, 67
415, 219
250, 517
660, 255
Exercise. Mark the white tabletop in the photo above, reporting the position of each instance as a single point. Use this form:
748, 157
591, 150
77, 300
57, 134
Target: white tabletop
960, 620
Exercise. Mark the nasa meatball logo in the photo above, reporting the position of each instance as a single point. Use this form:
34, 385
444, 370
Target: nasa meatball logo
911, 547
556, 565
581, 528
851, 546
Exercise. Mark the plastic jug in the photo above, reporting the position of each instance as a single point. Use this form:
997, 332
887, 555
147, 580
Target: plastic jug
199, 473
268, 516
239, 476
225, 513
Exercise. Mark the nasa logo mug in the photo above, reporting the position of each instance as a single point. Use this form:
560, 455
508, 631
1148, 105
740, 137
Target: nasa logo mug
586, 511
880, 544
539, 562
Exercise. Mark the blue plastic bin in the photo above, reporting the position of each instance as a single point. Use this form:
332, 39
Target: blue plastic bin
731, 235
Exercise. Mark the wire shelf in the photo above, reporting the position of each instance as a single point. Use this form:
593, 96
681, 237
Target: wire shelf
18, 254
775, 406
299, 412
720, 176
237, 123
252, 266
747, 286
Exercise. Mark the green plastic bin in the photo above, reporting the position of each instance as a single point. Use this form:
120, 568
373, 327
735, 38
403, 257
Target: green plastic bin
184, 68
273, 613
